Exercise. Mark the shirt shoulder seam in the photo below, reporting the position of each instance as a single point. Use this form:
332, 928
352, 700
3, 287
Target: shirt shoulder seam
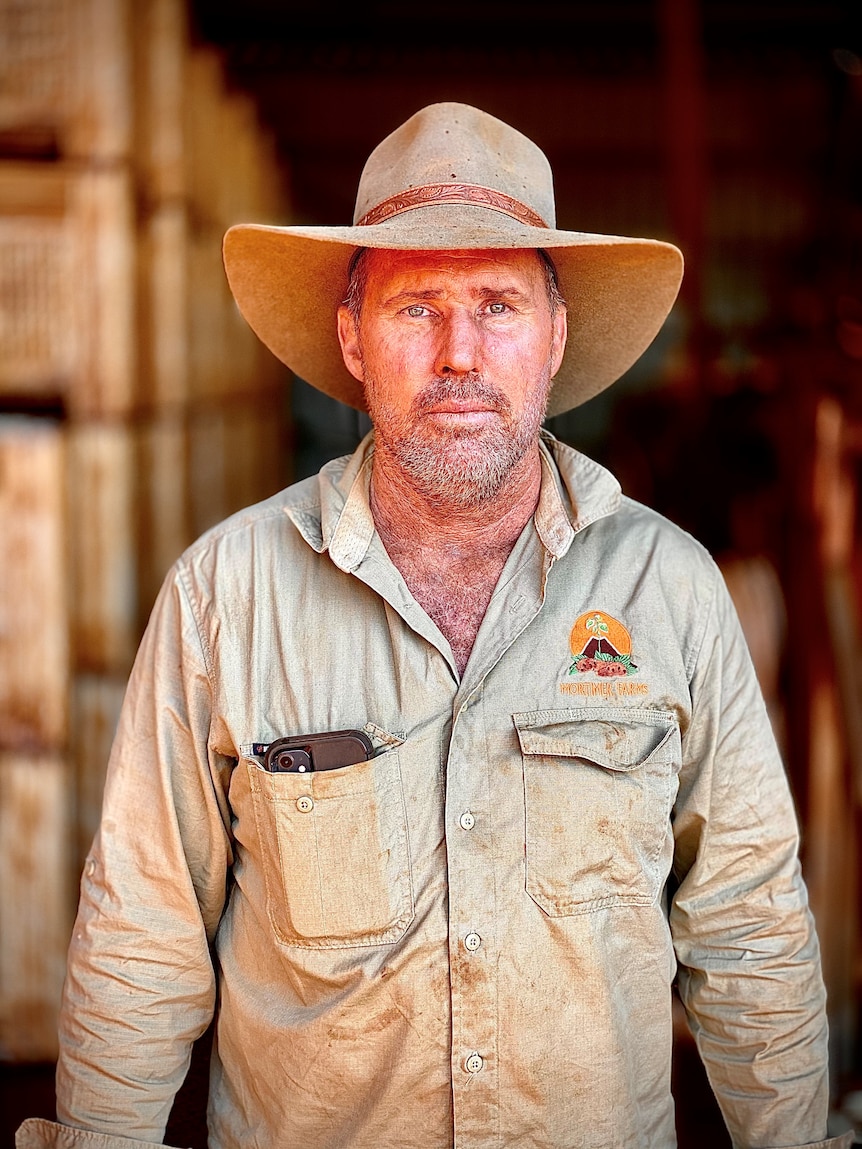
241, 521
186, 590
697, 646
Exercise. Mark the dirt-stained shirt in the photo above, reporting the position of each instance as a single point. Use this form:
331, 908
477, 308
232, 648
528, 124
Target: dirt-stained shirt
470, 938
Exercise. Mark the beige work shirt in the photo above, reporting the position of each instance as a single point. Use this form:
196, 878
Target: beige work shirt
468, 940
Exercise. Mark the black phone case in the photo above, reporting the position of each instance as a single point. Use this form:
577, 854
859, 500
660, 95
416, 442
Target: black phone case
327, 751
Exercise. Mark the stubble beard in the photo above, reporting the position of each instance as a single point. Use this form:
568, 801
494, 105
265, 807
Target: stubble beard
458, 467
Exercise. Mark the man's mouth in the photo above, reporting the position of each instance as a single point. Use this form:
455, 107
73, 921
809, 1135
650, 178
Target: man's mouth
463, 410
463, 421
460, 406
463, 405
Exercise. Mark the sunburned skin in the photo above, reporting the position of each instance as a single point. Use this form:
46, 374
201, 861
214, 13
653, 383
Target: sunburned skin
456, 351
451, 573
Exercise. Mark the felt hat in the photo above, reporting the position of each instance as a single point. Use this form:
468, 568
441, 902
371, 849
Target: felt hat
453, 177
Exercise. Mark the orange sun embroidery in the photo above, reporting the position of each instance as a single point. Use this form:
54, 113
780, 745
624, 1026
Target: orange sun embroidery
600, 644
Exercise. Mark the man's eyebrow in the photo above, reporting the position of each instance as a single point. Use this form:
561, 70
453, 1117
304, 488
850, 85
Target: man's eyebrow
402, 296
508, 292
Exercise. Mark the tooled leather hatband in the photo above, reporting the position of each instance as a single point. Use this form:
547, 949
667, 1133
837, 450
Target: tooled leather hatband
469, 194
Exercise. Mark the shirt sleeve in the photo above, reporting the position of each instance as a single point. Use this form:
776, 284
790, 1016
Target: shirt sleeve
140, 985
37, 1133
749, 966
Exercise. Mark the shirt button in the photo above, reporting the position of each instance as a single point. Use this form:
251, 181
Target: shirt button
305, 804
473, 1063
472, 941
466, 821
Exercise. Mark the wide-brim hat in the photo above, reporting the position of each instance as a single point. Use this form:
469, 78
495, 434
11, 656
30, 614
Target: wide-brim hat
453, 178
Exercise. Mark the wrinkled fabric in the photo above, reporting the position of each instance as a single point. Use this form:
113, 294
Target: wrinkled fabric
469, 939
37, 1133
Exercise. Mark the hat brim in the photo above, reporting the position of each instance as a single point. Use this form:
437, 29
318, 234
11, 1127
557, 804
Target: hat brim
288, 283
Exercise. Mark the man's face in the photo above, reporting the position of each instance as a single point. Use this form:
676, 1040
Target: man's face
456, 351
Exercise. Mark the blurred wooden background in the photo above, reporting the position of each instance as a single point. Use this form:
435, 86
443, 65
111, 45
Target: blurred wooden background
136, 409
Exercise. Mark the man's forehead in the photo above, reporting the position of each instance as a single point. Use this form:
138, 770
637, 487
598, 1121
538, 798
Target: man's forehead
397, 264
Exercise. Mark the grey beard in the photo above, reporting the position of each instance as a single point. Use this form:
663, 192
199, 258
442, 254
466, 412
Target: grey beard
460, 473
459, 469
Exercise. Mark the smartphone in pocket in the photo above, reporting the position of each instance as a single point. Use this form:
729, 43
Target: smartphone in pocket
305, 753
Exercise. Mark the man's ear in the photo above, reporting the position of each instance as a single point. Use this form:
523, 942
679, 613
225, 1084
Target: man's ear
348, 337
558, 340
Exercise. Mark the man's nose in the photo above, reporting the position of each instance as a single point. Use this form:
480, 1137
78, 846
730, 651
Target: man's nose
460, 348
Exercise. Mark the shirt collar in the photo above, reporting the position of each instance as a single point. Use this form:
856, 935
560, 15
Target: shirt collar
575, 492
585, 490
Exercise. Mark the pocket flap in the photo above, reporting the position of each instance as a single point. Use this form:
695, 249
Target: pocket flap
624, 739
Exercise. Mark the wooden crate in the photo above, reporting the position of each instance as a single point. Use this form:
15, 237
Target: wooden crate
66, 78
105, 261
36, 80
116, 310
164, 345
226, 360
209, 444
234, 458
161, 51
36, 900
102, 491
254, 462
38, 347
34, 632
239, 181
99, 123
165, 528
205, 144
67, 287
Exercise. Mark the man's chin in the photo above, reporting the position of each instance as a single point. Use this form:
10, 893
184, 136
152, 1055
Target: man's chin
477, 438
460, 450
462, 472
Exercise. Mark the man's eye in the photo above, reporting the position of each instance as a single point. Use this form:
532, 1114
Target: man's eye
416, 311
497, 308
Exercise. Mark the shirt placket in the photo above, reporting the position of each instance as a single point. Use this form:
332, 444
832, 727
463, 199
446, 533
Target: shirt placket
473, 945
475, 907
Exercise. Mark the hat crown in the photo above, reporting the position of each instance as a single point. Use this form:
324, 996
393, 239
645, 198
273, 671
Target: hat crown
455, 144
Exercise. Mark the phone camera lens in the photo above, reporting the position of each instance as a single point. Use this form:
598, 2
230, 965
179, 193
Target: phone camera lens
288, 762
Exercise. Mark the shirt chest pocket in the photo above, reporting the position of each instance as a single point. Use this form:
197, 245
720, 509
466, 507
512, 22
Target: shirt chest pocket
599, 785
335, 853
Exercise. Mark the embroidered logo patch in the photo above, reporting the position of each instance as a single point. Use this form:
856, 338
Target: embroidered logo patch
601, 644
601, 658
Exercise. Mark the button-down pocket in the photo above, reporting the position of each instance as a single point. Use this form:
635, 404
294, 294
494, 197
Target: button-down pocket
335, 853
599, 784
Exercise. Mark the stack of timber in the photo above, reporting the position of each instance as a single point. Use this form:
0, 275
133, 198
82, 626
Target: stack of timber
136, 409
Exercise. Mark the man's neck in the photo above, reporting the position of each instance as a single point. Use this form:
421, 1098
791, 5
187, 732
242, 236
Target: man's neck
451, 556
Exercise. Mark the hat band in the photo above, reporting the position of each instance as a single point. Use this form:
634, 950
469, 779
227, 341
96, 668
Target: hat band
469, 194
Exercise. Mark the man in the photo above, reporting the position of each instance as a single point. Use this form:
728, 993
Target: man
468, 936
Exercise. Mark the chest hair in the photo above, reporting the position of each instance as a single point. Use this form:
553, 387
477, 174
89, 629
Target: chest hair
454, 591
